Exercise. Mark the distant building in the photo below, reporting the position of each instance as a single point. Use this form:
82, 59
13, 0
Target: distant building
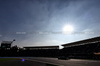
41, 47
41, 51
6, 44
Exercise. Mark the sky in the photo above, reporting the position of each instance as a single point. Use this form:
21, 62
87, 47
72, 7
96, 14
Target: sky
41, 22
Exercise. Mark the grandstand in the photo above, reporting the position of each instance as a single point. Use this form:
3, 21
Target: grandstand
40, 51
83, 49
41, 47
88, 48
82, 42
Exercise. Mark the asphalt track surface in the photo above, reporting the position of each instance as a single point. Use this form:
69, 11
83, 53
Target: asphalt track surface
43, 61
19, 62
71, 62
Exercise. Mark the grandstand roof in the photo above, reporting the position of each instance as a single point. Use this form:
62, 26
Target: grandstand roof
42, 47
86, 41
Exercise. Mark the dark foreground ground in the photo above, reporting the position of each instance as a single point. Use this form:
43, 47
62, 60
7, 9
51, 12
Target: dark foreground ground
19, 62
40, 61
71, 62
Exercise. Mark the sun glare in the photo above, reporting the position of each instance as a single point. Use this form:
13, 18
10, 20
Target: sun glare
68, 29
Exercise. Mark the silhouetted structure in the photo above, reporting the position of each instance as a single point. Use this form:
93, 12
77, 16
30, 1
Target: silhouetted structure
6, 44
82, 49
41, 47
89, 48
42, 51
6, 48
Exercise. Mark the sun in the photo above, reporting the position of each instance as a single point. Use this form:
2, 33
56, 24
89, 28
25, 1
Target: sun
68, 29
